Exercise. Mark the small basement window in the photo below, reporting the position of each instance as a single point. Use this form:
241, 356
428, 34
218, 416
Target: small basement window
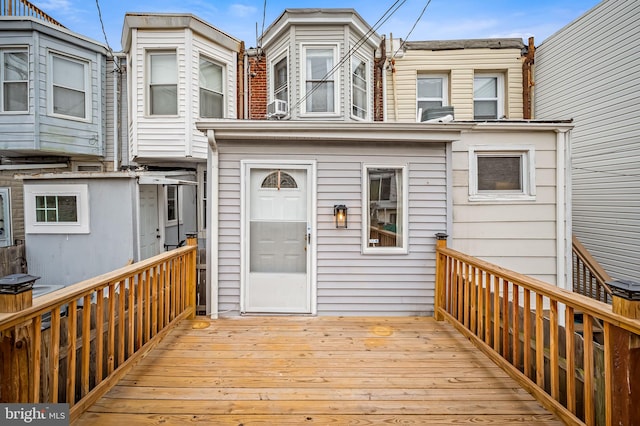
496, 174
56, 209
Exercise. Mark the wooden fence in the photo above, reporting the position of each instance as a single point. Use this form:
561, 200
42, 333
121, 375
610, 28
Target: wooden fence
528, 327
72, 345
25, 8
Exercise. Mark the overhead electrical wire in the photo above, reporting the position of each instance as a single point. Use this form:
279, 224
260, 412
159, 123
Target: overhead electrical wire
105, 37
412, 28
383, 19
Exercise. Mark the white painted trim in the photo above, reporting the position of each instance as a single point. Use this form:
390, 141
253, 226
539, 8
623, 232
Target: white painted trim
188, 88
368, 86
282, 53
15, 49
563, 212
500, 81
213, 231
405, 210
336, 80
311, 167
527, 152
80, 191
445, 89
179, 207
88, 86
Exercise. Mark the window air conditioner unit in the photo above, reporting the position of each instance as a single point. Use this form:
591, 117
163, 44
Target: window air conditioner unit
277, 109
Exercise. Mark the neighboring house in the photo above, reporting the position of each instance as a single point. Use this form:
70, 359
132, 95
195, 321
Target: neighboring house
52, 114
589, 71
314, 64
477, 79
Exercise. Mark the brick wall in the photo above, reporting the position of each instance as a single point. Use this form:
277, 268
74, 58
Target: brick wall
257, 89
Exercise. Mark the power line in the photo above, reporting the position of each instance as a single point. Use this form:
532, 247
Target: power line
105, 37
412, 28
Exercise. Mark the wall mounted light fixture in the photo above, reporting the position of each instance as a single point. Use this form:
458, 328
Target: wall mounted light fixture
340, 215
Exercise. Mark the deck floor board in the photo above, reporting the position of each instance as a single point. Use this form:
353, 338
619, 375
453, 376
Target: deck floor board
324, 370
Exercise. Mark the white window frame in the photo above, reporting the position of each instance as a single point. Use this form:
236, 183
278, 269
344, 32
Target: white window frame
223, 72
3, 81
444, 100
404, 249
179, 208
528, 173
367, 106
87, 87
500, 100
148, 55
80, 191
335, 77
272, 76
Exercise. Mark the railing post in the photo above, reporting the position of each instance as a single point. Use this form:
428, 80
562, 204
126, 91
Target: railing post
192, 275
622, 358
440, 296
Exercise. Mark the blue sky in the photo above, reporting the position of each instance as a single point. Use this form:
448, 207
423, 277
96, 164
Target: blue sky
443, 19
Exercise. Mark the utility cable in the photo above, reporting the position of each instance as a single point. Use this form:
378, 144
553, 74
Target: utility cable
105, 38
412, 28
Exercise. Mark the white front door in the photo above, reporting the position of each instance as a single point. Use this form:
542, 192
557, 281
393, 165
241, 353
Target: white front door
278, 225
150, 235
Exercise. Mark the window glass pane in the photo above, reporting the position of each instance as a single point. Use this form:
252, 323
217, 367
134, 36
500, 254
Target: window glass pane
430, 87
485, 87
15, 97
210, 76
50, 216
319, 63
359, 89
16, 66
40, 216
485, 110
164, 99
171, 202
68, 73
385, 207
320, 97
67, 208
163, 68
502, 173
39, 201
211, 104
280, 80
50, 201
68, 102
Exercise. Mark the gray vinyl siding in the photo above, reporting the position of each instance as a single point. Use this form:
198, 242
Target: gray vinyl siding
348, 282
39, 131
600, 93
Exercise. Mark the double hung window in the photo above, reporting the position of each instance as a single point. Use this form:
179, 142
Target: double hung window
14, 74
211, 89
70, 89
163, 83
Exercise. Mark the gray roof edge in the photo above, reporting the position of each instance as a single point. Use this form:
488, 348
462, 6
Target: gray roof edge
481, 43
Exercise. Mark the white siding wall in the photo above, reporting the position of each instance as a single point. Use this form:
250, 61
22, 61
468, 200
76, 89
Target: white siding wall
518, 235
460, 66
165, 137
349, 283
590, 71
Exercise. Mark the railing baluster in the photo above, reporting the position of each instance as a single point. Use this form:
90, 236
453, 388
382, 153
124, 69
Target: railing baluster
505, 318
473, 298
154, 300
121, 321
496, 313
570, 358
99, 334
527, 333
589, 406
480, 297
554, 350
132, 316
36, 354
515, 314
140, 309
55, 354
72, 332
86, 346
539, 341
487, 308
147, 304
111, 319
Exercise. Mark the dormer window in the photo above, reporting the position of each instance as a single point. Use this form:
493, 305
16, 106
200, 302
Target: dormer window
163, 83
359, 89
211, 89
320, 88
14, 73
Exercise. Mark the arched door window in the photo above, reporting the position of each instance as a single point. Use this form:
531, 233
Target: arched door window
278, 180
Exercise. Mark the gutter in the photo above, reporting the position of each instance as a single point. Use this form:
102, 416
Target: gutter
212, 227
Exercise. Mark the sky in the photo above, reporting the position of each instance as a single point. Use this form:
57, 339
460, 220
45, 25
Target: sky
442, 20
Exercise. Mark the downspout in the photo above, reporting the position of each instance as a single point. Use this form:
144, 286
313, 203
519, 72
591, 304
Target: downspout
116, 73
393, 80
242, 67
527, 80
212, 227
563, 210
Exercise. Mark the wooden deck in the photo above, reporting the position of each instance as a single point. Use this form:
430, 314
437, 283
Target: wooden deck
325, 370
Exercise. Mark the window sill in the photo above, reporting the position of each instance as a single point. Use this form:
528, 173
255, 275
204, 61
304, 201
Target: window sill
501, 198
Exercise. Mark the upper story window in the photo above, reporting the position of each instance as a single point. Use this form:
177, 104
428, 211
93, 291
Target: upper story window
163, 83
385, 214
70, 88
488, 96
14, 74
319, 80
280, 72
211, 89
432, 92
359, 89
501, 173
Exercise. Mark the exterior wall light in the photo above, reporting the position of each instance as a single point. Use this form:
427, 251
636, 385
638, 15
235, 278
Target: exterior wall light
340, 215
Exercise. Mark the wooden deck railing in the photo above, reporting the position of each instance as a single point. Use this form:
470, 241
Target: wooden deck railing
589, 278
385, 238
25, 8
73, 344
528, 327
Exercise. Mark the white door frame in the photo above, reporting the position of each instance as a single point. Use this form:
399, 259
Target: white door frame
311, 167
161, 220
